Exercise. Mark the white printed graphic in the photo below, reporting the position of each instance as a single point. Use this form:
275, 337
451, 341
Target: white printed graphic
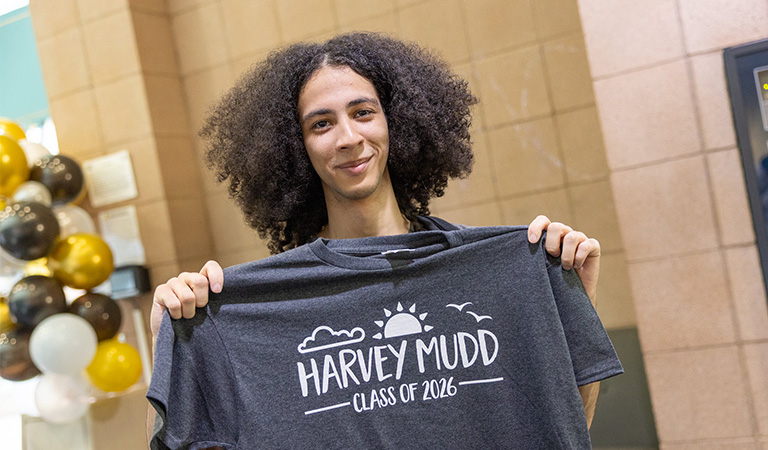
376, 375
327, 408
324, 334
478, 317
490, 380
459, 307
402, 323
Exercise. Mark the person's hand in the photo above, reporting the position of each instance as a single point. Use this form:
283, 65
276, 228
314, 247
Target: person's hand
181, 295
575, 249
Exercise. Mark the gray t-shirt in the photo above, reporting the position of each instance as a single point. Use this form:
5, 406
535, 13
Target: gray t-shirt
464, 339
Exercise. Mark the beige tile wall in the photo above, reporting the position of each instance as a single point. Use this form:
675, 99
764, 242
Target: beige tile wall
537, 135
681, 202
115, 85
632, 109
141, 75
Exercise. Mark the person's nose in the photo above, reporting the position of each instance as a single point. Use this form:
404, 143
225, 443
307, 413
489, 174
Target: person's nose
348, 135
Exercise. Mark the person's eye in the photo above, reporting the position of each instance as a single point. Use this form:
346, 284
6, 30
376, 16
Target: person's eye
363, 113
320, 124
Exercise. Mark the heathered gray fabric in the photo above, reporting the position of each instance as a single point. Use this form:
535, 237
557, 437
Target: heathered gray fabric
464, 339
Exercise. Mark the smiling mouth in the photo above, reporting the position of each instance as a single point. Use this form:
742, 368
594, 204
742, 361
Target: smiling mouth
355, 166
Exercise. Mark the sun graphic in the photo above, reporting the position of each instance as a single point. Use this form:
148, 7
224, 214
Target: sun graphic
402, 323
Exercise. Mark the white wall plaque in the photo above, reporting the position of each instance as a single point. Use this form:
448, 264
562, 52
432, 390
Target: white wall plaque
110, 179
120, 230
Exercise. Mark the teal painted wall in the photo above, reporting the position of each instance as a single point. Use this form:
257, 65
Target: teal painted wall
22, 92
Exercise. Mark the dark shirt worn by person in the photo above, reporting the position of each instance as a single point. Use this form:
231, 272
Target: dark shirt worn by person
446, 338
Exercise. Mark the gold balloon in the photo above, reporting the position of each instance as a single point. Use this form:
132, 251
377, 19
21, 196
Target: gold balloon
81, 260
116, 366
38, 267
13, 166
6, 324
11, 129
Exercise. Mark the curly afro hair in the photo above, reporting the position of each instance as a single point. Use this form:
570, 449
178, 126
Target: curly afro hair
254, 140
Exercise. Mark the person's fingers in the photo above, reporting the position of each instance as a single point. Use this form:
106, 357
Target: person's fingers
181, 295
215, 274
571, 242
158, 309
539, 224
165, 298
555, 234
184, 287
586, 249
199, 285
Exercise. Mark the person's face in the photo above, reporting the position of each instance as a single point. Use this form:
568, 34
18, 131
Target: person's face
345, 133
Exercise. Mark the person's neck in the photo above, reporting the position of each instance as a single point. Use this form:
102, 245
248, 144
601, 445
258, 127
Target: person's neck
372, 216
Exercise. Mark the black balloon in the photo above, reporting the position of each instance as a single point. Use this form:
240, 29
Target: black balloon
28, 230
34, 298
15, 362
61, 175
101, 312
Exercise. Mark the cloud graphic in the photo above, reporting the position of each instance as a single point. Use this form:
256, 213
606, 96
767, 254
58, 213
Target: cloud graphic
324, 338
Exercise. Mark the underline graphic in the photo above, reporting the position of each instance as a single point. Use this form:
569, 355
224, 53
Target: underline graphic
340, 405
490, 380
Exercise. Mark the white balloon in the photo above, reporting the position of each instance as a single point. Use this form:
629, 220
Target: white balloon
63, 343
8, 281
10, 265
72, 294
73, 219
33, 151
32, 191
11, 271
62, 399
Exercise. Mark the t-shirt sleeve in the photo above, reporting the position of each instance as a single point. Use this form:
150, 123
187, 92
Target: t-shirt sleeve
592, 352
193, 388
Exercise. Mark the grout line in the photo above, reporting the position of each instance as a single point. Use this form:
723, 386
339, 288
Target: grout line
516, 195
335, 13
106, 14
185, 9
278, 24
150, 12
657, 162
570, 216
477, 109
90, 85
536, 117
631, 70
651, 259
738, 344
459, 207
724, 148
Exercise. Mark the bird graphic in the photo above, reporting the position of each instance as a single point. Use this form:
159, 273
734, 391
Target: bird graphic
479, 318
459, 307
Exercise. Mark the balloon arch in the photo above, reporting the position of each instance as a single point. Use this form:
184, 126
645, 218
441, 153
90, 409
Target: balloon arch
49, 244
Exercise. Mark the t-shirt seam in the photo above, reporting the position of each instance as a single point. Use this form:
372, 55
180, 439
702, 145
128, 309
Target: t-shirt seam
321, 250
230, 369
596, 372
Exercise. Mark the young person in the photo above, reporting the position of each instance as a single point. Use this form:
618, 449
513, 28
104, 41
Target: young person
342, 142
